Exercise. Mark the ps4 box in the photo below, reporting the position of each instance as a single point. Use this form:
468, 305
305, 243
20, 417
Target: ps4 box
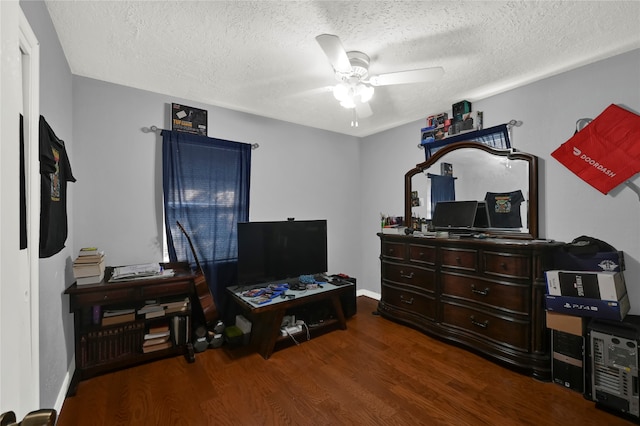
614, 310
602, 285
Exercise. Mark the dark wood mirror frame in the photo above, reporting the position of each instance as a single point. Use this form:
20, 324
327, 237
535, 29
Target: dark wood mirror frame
532, 160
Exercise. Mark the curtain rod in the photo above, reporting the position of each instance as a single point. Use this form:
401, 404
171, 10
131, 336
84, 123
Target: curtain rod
157, 131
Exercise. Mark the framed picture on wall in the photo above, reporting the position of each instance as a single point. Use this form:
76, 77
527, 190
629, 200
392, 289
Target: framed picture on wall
446, 169
188, 119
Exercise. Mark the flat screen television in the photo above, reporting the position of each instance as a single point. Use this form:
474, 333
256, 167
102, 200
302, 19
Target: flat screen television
270, 251
454, 214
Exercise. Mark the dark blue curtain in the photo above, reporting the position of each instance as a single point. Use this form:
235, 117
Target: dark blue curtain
206, 188
443, 188
496, 137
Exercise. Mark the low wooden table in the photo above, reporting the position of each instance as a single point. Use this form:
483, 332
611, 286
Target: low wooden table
267, 318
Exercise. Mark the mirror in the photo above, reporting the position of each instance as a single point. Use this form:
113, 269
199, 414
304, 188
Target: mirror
511, 178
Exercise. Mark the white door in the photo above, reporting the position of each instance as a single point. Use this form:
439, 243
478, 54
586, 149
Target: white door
19, 93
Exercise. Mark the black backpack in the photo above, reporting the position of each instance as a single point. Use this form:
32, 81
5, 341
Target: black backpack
587, 245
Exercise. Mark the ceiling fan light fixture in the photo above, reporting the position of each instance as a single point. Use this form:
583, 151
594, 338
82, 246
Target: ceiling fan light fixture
365, 92
348, 103
341, 91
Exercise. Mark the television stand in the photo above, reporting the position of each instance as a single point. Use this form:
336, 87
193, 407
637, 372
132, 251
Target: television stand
267, 318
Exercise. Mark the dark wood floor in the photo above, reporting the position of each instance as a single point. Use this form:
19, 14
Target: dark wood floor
375, 372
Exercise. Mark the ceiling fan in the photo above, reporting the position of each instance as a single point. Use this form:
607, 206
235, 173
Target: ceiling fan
356, 87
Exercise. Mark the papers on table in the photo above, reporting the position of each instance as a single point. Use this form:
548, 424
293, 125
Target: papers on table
140, 271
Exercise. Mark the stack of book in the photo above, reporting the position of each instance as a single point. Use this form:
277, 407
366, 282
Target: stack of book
151, 310
175, 306
157, 338
88, 267
118, 316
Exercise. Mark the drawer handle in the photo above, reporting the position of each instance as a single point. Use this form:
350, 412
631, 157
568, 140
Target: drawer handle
407, 301
403, 275
390, 251
458, 260
484, 324
421, 255
503, 265
484, 292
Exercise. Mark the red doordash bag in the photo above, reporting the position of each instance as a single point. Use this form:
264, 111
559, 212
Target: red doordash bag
606, 152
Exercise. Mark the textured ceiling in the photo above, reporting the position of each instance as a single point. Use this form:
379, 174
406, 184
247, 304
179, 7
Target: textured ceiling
261, 57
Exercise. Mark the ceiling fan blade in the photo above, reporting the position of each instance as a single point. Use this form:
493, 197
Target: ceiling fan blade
332, 47
363, 109
403, 77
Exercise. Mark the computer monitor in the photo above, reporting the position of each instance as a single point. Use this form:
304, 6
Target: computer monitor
454, 215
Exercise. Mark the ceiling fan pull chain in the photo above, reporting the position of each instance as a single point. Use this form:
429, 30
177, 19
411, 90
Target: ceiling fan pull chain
354, 122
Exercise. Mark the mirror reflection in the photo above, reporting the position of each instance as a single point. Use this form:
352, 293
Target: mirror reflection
498, 180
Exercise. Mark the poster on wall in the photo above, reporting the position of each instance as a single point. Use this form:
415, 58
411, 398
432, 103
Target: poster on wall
188, 119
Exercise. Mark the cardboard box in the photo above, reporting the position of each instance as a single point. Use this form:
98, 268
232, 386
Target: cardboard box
438, 121
612, 261
460, 108
584, 307
592, 285
567, 323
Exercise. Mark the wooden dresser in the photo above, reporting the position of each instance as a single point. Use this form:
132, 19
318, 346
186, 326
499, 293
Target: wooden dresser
484, 294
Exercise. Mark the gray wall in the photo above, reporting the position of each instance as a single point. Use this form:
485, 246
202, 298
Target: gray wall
299, 172
296, 172
56, 325
549, 109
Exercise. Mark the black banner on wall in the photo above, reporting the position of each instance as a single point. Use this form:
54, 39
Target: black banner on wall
188, 119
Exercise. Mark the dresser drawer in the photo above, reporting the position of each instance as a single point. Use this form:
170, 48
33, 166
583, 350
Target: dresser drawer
422, 254
502, 330
103, 297
409, 275
507, 265
409, 300
393, 250
165, 289
457, 258
513, 298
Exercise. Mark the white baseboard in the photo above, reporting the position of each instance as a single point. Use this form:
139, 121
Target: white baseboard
62, 394
368, 293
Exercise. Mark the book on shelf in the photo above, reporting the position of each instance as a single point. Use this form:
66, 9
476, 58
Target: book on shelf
157, 335
82, 260
151, 311
176, 306
158, 328
88, 251
152, 342
157, 347
180, 329
88, 269
150, 306
111, 317
116, 312
93, 279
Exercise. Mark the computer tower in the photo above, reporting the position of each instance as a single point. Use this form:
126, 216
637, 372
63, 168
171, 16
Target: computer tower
568, 360
613, 365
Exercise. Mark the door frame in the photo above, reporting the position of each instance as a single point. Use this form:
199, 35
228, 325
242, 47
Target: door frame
19, 269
